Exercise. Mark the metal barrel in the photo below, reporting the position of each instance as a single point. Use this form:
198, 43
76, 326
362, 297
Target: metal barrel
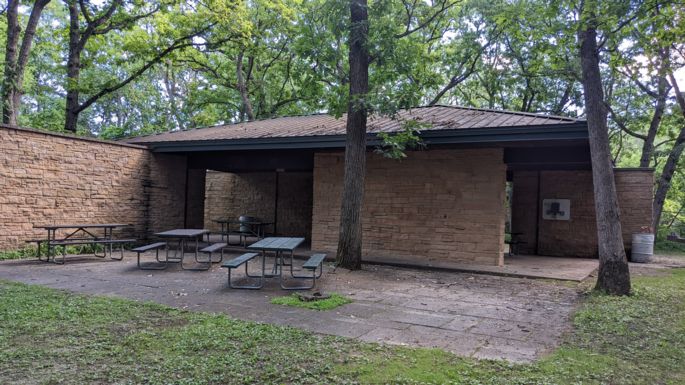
642, 248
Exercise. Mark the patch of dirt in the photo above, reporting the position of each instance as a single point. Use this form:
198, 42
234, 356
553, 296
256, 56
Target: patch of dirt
665, 260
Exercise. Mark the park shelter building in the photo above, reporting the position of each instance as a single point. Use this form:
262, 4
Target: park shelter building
445, 205
481, 174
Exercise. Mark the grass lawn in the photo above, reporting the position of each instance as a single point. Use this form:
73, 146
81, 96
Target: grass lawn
53, 337
329, 303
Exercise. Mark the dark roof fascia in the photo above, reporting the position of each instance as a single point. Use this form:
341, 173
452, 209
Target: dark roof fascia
572, 131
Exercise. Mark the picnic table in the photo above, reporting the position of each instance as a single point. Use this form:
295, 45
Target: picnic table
80, 234
254, 228
183, 236
279, 246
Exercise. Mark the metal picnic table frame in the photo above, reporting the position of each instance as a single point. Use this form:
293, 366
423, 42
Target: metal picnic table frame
87, 236
182, 236
256, 228
277, 245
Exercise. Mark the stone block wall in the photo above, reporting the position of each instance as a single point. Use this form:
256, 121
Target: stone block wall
635, 189
524, 208
437, 207
230, 195
51, 178
576, 237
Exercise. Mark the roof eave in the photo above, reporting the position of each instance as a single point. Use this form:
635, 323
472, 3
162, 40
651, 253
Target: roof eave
572, 131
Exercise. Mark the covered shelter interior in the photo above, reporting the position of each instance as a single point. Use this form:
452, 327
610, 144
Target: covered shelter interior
469, 196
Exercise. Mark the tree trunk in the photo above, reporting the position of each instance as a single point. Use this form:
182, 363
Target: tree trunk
664, 183
15, 65
13, 30
648, 145
613, 276
73, 68
349, 253
242, 88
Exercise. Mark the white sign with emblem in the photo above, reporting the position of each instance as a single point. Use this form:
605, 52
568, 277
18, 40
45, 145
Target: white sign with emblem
556, 209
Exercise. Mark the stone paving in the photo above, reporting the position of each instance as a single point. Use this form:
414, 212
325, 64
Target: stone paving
471, 315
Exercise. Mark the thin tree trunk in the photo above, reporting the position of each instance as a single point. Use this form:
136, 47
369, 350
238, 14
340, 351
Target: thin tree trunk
73, 68
13, 31
613, 276
664, 183
349, 253
648, 144
27, 40
242, 87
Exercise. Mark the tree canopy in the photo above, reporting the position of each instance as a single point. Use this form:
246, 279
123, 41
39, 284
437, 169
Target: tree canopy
118, 68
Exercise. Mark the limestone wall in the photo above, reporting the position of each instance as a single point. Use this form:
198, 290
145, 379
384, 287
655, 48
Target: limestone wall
576, 237
255, 194
437, 207
49, 178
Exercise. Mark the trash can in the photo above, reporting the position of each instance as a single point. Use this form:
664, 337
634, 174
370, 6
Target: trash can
246, 227
642, 248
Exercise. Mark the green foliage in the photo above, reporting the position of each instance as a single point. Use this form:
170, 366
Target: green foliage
30, 251
663, 246
396, 144
514, 55
335, 300
26, 252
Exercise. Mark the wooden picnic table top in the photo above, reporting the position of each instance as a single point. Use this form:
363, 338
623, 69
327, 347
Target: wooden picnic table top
277, 244
182, 233
81, 226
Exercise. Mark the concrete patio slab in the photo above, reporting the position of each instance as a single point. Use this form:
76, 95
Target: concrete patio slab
472, 315
522, 266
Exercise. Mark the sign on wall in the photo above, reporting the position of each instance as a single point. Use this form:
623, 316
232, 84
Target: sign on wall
556, 209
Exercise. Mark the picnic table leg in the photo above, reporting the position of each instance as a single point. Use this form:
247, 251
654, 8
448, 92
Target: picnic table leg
314, 277
49, 245
197, 247
152, 267
39, 253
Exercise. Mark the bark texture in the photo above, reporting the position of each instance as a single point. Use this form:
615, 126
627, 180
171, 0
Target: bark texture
242, 88
349, 253
613, 276
15, 62
73, 68
670, 167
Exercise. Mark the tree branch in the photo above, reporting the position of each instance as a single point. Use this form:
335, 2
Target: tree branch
408, 30
177, 44
621, 124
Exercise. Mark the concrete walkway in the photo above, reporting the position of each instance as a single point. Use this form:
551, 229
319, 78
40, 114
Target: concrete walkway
468, 314
521, 266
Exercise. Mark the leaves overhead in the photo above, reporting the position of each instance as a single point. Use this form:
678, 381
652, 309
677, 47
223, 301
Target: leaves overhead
234, 60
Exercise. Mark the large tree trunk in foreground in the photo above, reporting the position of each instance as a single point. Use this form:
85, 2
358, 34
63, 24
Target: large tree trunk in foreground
613, 276
350, 243
664, 183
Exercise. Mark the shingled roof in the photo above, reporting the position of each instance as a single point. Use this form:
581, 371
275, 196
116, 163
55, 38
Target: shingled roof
439, 118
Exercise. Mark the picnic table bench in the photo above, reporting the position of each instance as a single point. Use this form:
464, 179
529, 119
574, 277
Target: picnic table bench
236, 263
153, 246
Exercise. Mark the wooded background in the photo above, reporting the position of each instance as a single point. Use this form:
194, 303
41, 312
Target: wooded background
119, 68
